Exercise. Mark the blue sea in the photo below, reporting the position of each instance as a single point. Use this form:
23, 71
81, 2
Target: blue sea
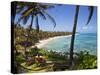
83, 42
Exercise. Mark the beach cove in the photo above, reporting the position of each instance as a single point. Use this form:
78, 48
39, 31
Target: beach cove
46, 41
83, 42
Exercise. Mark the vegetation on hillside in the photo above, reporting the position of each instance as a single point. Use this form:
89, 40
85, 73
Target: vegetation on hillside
83, 60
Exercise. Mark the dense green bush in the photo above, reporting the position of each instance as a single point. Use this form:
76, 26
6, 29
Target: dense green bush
87, 61
20, 58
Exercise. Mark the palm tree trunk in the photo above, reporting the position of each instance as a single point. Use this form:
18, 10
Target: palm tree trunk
73, 37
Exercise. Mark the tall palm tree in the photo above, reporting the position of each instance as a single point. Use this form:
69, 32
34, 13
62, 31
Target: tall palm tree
34, 11
91, 8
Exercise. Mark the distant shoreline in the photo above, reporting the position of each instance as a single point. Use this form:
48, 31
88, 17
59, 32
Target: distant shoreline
45, 41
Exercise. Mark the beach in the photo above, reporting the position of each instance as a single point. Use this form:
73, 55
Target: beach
45, 41
83, 41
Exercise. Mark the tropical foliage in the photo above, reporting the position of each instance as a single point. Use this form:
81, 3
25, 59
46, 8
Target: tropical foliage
28, 58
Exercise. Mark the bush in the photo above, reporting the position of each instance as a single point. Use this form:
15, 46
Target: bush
20, 58
87, 61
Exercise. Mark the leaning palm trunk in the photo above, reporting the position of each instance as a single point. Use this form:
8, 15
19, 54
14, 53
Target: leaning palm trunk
73, 37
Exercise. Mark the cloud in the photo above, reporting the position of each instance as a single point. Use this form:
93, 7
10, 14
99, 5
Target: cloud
85, 27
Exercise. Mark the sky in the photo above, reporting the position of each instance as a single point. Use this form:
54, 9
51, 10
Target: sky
64, 17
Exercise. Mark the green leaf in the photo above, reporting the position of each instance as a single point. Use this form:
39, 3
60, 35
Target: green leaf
27, 12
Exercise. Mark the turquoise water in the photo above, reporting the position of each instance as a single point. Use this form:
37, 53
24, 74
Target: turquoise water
83, 42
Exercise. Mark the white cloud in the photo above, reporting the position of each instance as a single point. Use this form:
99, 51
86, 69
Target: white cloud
85, 27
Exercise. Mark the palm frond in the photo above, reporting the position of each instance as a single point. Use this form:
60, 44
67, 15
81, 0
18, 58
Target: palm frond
47, 6
32, 18
19, 20
27, 12
42, 15
51, 18
20, 9
25, 19
91, 9
25, 16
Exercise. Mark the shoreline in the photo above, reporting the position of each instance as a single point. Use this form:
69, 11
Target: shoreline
45, 41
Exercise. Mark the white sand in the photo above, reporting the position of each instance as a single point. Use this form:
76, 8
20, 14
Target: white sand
43, 42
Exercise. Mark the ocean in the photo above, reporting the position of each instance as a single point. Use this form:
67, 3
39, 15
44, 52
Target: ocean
83, 42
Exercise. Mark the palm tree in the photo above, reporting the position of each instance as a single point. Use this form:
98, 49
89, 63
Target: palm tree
34, 11
91, 8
